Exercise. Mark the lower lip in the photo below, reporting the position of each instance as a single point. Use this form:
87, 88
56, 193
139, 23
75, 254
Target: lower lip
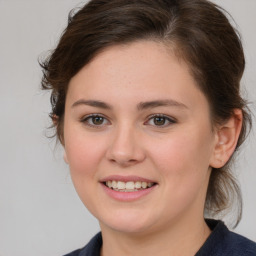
127, 196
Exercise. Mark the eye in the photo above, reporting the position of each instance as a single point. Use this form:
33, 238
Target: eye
160, 120
95, 120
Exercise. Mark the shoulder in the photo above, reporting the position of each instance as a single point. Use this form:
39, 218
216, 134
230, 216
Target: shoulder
91, 249
241, 244
222, 242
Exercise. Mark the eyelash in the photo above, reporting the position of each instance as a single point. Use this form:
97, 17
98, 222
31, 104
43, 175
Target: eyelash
90, 117
166, 118
87, 119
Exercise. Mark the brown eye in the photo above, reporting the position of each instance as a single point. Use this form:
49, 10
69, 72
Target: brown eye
97, 120
159, 120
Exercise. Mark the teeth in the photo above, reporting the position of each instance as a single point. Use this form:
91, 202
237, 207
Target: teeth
114, 184
138, 184
150, 184
120, 185
144, 184
129, 186
109, 184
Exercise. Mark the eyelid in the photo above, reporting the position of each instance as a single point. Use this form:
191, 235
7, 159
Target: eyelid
171, 120
85, 119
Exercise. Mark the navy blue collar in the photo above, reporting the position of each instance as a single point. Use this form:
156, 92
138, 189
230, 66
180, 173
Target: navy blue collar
221, 242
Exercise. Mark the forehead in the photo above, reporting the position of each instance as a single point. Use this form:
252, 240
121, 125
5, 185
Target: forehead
145, 68
137, 60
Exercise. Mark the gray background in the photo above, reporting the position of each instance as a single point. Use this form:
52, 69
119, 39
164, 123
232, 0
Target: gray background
40, 213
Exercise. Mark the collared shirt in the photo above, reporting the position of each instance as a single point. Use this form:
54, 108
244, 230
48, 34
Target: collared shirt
221, 242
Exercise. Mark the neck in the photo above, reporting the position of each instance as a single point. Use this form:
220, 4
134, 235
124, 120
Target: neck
181, 239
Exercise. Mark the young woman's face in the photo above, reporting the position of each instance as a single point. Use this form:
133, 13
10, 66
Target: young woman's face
136, 121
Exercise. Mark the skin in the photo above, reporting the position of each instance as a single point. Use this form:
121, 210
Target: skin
177, 154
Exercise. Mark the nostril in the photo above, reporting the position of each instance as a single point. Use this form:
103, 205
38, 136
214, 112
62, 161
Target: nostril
123, 161
132, 160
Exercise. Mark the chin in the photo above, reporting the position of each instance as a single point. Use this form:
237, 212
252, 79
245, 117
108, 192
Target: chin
127, 223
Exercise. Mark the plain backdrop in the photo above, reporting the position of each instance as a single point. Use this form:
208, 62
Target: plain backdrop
40, 213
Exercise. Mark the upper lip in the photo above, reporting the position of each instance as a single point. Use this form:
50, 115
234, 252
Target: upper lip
126, 178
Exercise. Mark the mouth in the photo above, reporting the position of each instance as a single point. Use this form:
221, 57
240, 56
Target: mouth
129, 186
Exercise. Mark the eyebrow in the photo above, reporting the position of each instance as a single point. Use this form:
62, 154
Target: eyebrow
92, 103
160, 103
141, 106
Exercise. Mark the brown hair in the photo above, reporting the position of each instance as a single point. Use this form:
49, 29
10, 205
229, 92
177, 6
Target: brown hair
196, 30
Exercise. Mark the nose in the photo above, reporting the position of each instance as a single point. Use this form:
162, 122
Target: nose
125, 148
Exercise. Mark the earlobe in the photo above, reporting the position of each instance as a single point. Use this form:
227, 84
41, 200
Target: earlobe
65, 157
55, 120
226, 139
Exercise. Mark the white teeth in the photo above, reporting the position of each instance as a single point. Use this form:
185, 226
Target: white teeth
144, 184
120, 185
114, 184
150, 184
137, 184
129, 186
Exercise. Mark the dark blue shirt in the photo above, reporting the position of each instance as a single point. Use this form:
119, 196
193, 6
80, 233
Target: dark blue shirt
221, 242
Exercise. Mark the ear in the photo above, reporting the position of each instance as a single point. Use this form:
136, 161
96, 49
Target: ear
65, 157
55, 120
226, 138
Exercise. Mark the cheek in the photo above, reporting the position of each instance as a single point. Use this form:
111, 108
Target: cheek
183, 150
183, 161
83, 153
84, 156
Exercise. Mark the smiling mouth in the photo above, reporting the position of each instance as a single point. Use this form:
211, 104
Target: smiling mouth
130, 186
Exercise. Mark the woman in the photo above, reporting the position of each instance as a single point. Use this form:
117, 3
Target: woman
146, 103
